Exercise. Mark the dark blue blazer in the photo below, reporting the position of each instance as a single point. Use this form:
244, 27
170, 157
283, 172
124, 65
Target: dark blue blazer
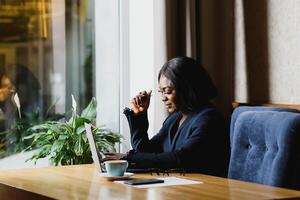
200, 144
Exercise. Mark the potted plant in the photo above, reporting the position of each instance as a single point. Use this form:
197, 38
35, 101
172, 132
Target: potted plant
12, 141
66, 143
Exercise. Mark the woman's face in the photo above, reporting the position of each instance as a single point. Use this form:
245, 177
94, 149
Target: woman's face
5, 86
168, 93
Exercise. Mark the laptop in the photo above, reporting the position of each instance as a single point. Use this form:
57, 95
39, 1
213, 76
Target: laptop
97, 156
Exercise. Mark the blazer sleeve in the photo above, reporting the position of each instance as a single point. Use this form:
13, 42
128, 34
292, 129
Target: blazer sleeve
196, 151
140, 141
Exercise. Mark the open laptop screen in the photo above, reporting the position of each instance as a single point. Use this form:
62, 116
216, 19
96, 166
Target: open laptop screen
96, 156
93, 147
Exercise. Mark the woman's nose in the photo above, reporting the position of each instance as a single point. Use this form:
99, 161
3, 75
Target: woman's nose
164, 98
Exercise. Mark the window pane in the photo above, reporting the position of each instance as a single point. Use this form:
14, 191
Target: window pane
46, 54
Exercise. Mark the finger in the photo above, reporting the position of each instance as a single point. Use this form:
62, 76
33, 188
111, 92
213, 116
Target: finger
149, 93
144, 95
108, 158
141, 109
121, 156
135, 102
143, 98
132, 101
139, 100
109, 154
134, 107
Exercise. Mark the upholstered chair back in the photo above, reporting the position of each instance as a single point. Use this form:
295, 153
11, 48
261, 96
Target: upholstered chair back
242, 109
265, 147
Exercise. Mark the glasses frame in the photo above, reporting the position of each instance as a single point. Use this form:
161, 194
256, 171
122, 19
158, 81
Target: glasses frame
164, 172
165, 91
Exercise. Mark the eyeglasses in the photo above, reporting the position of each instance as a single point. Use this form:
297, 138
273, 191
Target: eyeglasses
166, 91
164, 172
156, 171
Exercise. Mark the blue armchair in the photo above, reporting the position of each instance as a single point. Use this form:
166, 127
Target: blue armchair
265, 146
242, 109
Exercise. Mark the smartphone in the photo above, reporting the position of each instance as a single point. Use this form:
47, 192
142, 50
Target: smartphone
143, 181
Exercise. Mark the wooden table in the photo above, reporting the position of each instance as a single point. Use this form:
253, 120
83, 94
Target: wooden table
84, 182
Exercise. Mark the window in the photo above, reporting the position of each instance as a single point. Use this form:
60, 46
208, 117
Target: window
82, 47
46, 54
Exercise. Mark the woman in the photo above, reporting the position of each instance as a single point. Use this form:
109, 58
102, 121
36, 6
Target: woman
26, 85
16, 79
7, 107
194, 136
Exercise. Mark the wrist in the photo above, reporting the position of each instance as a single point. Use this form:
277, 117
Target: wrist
127, 155
128, 111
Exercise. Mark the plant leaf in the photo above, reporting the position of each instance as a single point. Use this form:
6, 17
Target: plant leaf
17, 102
74, 104
79, 121
78, 147
65, 142
90, 112
51, 107
80, 130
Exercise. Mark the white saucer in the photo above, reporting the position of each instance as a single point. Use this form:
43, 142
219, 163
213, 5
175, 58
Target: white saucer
111, 178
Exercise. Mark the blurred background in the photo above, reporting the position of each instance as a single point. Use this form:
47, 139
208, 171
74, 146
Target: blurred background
46, 54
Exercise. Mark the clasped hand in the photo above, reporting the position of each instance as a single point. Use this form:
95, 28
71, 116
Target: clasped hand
141, 102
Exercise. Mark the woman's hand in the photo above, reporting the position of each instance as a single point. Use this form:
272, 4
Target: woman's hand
113, 156
141, 102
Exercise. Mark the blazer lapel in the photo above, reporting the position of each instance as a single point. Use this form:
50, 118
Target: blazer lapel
178, 132
173, 131
173, 145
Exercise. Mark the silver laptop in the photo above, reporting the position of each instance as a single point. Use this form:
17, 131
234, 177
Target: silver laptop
93, 147
97, 155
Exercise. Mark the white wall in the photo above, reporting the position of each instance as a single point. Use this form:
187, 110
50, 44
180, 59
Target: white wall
267, 46
107, 61
138, 70
124, 60
284, 40
141, 47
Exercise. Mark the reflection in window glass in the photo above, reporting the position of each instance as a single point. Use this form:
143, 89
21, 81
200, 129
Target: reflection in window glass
46, 54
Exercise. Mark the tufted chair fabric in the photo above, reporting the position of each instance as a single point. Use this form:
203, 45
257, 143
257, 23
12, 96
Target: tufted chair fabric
266, 148
242, 109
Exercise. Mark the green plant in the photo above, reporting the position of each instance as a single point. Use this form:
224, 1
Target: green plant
12, 139
66, 142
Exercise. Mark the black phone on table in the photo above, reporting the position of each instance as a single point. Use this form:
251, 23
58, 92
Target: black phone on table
143, 181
